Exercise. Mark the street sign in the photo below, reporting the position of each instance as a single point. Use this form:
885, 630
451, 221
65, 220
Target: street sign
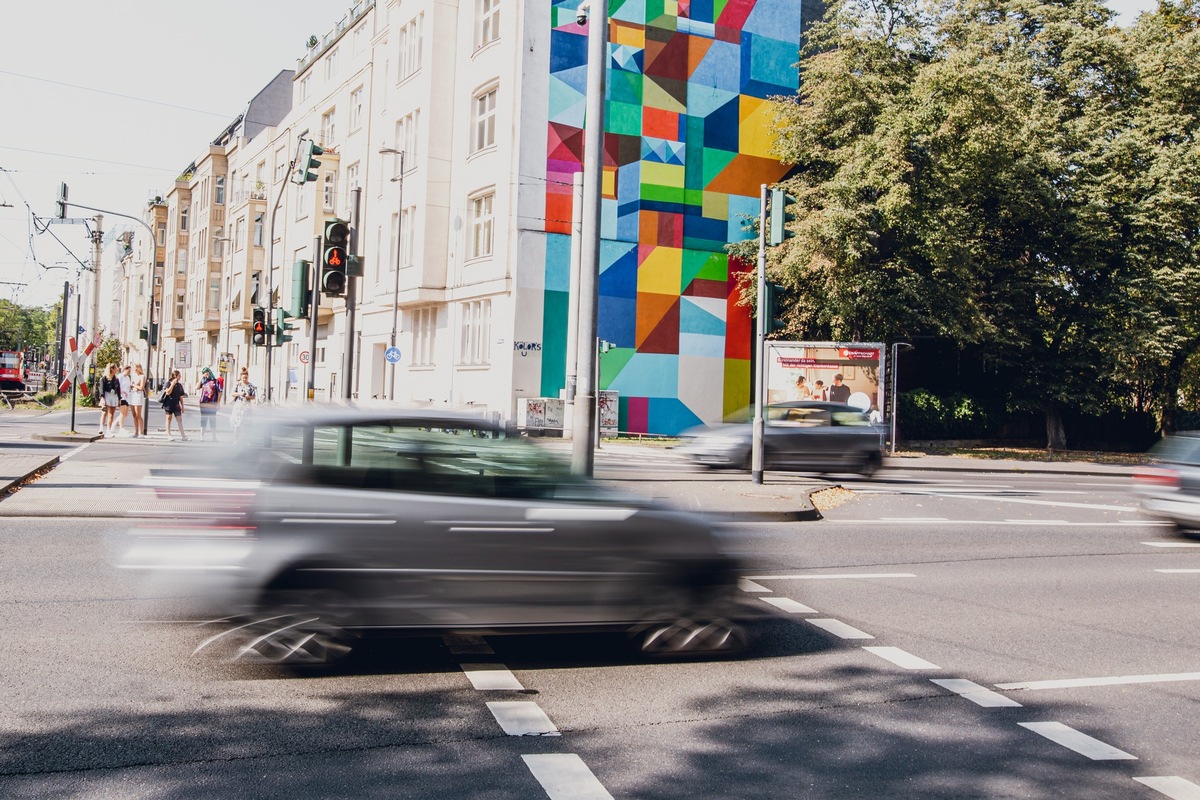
80, 329
303, 356
392, 354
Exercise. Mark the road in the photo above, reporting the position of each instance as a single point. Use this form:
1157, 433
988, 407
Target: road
1006, 582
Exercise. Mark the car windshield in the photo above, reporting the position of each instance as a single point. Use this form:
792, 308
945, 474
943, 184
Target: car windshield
1180, 449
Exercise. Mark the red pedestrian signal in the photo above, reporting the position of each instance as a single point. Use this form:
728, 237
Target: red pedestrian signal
258, 334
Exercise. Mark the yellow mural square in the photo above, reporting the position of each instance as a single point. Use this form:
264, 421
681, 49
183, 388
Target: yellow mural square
715, 205
756, 133
662, 174
660, 271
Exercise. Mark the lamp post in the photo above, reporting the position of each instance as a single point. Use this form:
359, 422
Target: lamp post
594, 13
896, 349
397, 178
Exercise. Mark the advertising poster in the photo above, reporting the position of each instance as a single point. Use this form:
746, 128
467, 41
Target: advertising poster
845, 372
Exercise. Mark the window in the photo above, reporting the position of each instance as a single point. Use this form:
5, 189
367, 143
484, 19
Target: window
360, 38
281, 164
258, 229
179, 305
488, 28
477, 325
219, 192
328, 127
392, 244
356, 109
481, 226
407, 235
214, 294
255, 286
331, 64
161, 238
305, 82
329, 191
484, 121
239, 234
352, 176
424, 325
410, 47
183, 218
218, 248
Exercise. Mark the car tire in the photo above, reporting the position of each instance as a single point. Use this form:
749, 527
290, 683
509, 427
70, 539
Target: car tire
302, 626
685, 615
870, 464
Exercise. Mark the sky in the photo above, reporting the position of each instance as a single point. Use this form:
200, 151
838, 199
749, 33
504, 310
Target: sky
116, 98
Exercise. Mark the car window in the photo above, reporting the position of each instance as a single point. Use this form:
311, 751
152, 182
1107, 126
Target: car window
799, 417
1178, 449
851, 419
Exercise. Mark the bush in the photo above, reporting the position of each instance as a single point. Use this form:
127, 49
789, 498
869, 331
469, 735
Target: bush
924, 415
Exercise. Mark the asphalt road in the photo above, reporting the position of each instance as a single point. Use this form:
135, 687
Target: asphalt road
955, 577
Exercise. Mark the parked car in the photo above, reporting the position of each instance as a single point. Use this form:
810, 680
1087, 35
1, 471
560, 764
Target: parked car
356, 523
802, 435
1170, 487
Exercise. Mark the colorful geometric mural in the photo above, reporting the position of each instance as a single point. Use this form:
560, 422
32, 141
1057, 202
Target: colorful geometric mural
686, 146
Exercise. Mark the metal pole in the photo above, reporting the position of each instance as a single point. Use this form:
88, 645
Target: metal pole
583, 455
760, 339
62, 338
271, 262
75, 383
351, 299
97, 245
312, 321
396, 288
573, 303
150, 338
895, 404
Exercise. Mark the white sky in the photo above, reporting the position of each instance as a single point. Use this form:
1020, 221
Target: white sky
115, 152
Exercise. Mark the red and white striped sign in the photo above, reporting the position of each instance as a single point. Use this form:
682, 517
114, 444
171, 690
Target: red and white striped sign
78, 361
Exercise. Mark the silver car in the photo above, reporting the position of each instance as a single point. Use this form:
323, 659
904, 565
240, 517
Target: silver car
347, 523
803, 435
1170, 487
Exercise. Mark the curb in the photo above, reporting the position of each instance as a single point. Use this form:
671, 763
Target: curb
15, 483
1048, 468
69, 438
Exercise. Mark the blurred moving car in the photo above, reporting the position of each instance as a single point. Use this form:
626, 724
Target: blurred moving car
360, 522
1170, 487
802, 435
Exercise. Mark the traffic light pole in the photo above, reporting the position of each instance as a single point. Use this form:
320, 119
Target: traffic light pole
760, 339
351, 299
312, 321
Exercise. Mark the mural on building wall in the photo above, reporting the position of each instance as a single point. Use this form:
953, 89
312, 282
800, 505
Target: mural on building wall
687, 144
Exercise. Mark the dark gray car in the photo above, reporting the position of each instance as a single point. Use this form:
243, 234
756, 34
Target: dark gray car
803, 435
360, 522
1170, 487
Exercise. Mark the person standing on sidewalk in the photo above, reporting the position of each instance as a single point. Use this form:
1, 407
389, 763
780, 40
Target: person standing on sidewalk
126, 381
244, 394
210, 401
137, 396
172, 403
110, 399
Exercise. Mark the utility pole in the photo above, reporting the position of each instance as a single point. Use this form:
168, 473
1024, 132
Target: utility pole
399, 178
97, 249
760, 339
318, 261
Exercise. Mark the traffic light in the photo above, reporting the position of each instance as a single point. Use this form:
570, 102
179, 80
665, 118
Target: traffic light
303, 173
335, 260
258, 336
773, 308
301, 293
151, 335
780, 216
282, 327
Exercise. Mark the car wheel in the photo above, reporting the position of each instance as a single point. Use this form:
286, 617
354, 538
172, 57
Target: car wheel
292, 627
686, 616
870, 465
690, 637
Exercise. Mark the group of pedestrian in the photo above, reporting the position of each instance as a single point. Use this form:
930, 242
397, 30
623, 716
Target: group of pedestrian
123, 391
121, 394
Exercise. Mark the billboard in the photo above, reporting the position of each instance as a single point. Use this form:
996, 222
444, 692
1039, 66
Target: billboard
846, 372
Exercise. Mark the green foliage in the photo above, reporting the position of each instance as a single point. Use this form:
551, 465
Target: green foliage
26, 327
924, 415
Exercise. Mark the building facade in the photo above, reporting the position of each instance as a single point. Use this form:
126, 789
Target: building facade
452, 133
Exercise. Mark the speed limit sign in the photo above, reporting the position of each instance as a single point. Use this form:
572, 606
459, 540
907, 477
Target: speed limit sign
304, 356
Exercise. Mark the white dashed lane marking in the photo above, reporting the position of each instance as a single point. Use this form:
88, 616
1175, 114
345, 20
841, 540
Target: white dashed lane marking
1118, 680
788, 605
489, 677
1172, 544
975, 693
832, 576
1172, 786
1178, 571
564, 776
752, 587
1081, 743
901, 658
840, 629
522, 718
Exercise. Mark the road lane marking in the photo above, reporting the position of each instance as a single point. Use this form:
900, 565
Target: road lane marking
1081, 743
750, 586
522, 718
1118, 680
1172, 544
1178, 571
975, 693
1172, 786
914, 519
1125, 523
841, 629
468, 645
901, 658
847, 575
487, 677
1038, 521
789, 605
1017, 500
564, 776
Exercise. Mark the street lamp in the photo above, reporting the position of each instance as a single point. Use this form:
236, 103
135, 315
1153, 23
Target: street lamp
398, 178
896, 348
